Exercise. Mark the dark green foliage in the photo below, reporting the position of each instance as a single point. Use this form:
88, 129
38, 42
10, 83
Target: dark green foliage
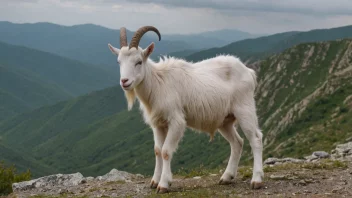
8, 176
23, 161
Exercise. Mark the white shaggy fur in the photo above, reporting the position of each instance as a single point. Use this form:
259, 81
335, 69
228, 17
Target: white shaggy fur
206, 96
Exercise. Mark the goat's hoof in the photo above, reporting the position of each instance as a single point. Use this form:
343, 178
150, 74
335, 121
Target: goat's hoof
225, 182
257, 185
153, 184
161, 190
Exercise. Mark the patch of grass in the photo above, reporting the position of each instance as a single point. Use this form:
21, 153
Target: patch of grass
61, 196
326, 164
200, 171
93, 189
197, 192
246, 172
115, 182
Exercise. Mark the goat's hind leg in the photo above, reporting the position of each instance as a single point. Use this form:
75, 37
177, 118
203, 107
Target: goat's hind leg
247, 117
228, 131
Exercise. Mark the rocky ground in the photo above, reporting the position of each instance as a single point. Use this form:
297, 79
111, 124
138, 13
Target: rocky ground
320, 175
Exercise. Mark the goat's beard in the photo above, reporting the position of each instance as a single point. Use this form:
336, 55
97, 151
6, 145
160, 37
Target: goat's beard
131, 97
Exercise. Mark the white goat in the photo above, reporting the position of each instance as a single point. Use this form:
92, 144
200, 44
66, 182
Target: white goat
207, 96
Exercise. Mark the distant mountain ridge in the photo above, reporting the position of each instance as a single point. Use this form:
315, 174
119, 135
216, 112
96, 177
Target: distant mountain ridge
211, 39
258, 48
86, 43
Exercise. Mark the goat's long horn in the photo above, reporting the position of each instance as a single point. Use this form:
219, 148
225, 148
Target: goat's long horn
123, 37
140, 32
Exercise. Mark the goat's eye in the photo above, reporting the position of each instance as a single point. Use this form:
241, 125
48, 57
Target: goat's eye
138, 63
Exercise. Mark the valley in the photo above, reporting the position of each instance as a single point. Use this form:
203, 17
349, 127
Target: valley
303, 99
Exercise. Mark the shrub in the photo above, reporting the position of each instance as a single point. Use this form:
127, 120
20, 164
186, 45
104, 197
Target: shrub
8, 176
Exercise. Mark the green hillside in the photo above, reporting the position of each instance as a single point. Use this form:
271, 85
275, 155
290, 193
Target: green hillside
20, 91
257, 48
73, 77
22, 162
304, 100
30, 78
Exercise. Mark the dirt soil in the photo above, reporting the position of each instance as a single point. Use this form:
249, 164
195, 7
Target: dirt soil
280, 181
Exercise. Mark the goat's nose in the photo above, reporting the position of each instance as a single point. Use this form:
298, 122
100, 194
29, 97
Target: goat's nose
124, 80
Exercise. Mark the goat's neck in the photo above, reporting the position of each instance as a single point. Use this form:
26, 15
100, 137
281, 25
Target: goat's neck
146, 89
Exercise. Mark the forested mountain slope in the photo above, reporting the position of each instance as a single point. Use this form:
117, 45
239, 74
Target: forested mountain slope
304, 100
30, 78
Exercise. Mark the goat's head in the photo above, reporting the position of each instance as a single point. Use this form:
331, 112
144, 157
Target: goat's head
132, 58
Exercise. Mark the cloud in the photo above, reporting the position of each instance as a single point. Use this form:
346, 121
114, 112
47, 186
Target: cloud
325, 7
184, 16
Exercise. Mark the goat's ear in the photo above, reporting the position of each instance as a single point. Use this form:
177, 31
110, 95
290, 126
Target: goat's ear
149, 50
114, 50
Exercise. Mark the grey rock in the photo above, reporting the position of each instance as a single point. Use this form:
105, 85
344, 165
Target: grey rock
336, 189
311, 158
302, 182
276, 161
99, 178
62, 191
89, 178
321, 154
292, 178
139, 176
271, 160
343, 151
346, 151
309, 180
84, 180
293, 160
48, 181
277, 177
26, 185
115, 175
341, 183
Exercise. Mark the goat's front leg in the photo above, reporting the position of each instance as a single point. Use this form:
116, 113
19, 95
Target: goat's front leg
159, 138
175, 133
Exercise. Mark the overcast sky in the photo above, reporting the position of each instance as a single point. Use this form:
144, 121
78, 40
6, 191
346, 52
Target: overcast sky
185, 16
